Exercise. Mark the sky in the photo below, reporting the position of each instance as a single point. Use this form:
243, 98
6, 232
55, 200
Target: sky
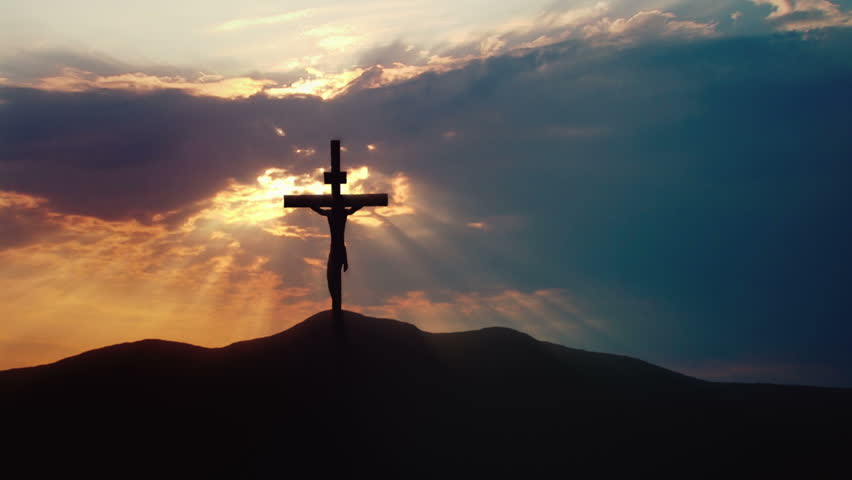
669, 180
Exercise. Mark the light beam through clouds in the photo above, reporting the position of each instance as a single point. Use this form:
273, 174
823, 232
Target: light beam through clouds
186, 282
196, 282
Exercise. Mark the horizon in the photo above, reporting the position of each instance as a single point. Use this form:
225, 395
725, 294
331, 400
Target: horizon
662, 179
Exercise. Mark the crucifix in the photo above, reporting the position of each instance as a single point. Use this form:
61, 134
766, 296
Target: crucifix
335, 208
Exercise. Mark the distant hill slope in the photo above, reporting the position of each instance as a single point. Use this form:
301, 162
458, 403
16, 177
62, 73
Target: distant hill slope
385, 399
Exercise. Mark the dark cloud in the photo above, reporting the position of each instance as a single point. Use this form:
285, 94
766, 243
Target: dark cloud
114, 154
696, 195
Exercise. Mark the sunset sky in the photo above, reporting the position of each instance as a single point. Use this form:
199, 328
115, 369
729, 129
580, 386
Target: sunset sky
665, 179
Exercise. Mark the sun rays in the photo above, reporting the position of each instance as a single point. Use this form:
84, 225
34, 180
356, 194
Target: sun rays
241, 266
96, 282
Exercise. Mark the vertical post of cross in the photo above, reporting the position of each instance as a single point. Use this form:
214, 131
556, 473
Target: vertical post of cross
337, 222
335, 166
336, 208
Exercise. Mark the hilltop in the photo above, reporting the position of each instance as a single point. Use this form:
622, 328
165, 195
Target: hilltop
382, 398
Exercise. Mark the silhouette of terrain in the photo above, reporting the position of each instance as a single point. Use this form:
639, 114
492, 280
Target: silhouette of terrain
380, 398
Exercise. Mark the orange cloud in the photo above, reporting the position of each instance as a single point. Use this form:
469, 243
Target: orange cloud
19, 200
77, 80
321, 84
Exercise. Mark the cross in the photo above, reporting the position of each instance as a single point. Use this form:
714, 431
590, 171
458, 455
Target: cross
338, 207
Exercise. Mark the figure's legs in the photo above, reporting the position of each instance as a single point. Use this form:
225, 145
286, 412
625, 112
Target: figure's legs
335, 288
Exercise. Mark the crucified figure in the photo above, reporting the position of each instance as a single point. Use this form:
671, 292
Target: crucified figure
337, 259
338, 207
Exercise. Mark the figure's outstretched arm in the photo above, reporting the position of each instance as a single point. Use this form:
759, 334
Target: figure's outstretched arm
322, 212
354, 209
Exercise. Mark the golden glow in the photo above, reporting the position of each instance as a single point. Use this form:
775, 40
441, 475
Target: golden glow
260, 204
326, 85
323, 85
90, 282
13, 199
307, 151
280, 132
76, 80
96, 282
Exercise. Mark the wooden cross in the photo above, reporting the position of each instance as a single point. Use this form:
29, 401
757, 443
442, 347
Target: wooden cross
338, 208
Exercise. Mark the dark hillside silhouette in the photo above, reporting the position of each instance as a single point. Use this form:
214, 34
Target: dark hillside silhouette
380, 398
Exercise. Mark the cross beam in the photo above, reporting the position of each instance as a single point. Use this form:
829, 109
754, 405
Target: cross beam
364, 200
338, 207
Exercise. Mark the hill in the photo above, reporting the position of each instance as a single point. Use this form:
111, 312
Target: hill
382, 398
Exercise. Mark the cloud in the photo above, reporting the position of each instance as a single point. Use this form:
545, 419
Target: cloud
75, 80
646, 25
242, 23
379, 66
805, 15
323, 85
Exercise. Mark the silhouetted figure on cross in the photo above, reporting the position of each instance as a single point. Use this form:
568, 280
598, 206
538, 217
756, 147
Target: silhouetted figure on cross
337, 259
338, 207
